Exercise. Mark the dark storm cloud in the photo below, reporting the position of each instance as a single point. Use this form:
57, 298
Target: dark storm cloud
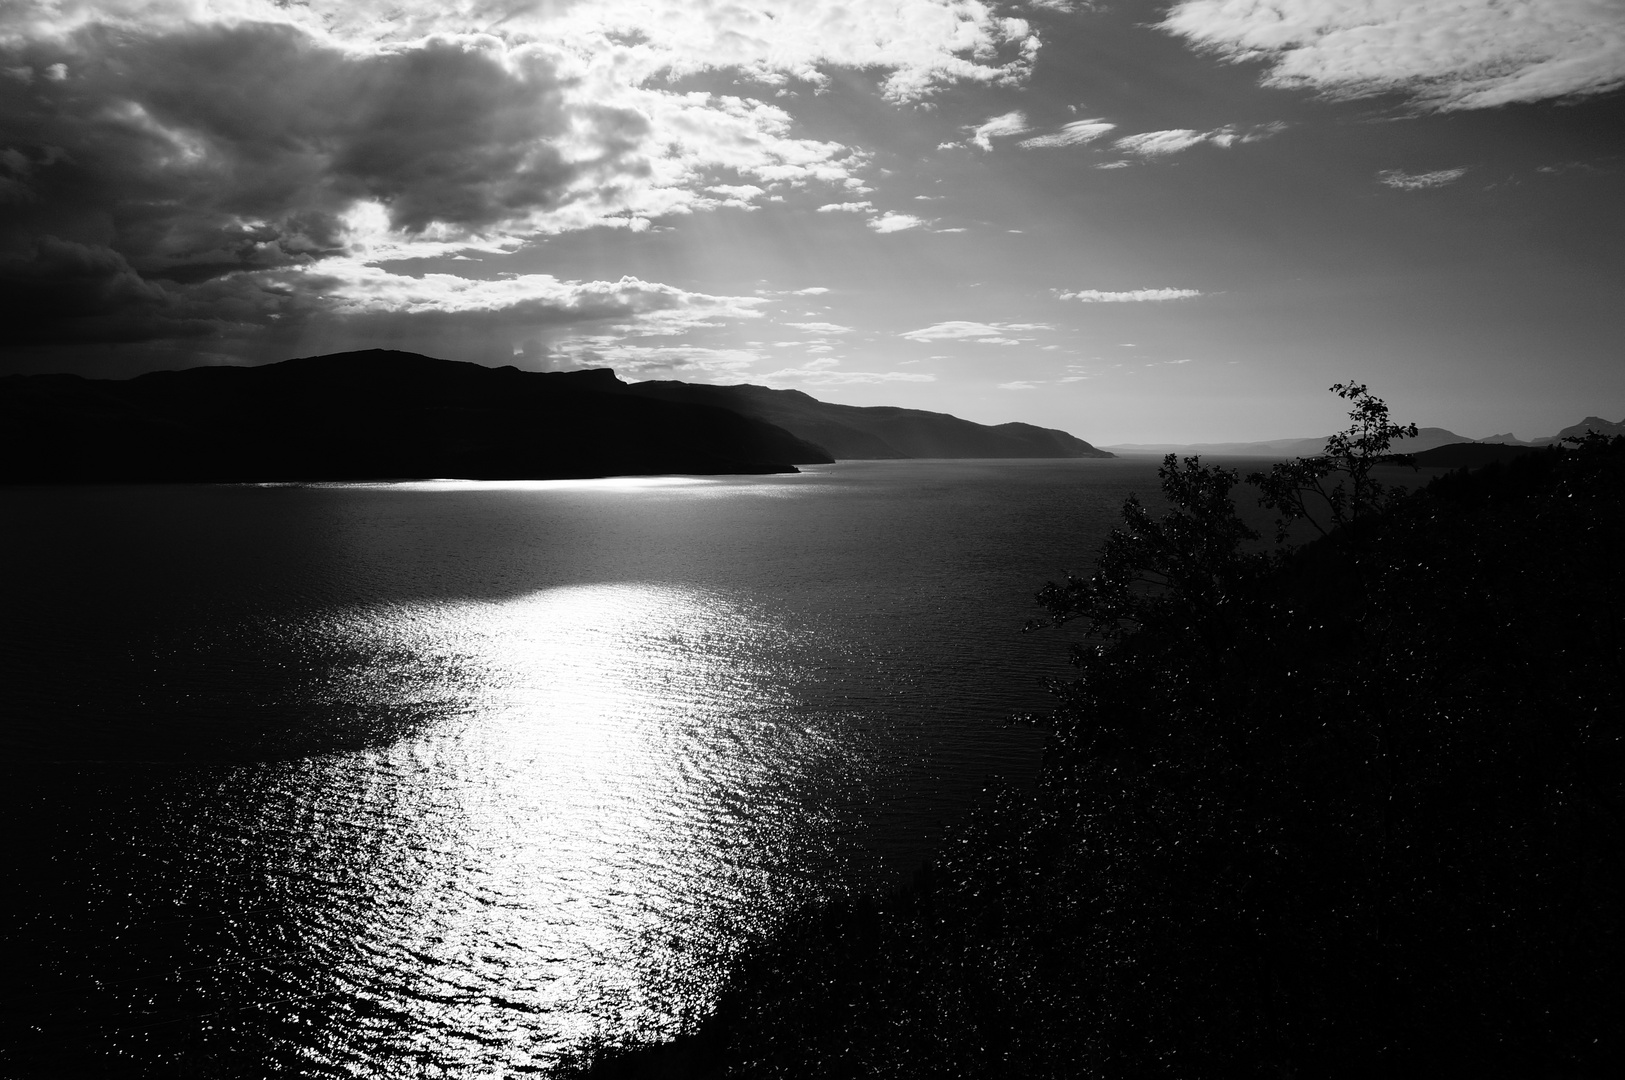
136, 168
67, 289
62, 291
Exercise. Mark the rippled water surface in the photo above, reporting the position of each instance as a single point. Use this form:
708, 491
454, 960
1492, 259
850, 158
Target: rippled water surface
441, 778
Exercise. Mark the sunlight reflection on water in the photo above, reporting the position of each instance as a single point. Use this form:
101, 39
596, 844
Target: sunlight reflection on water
528, 864
434, 779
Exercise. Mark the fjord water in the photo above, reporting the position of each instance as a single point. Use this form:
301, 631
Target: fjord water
440, 778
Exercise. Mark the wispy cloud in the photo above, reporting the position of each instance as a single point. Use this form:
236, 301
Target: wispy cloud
1465, 54
847, 208
1404, 181
1128, 296
1173, 140
984, 333
821, 327
1153, 143
826, 372
1072, 134
1011, 123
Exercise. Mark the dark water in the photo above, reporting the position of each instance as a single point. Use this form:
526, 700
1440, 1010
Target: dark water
437, 779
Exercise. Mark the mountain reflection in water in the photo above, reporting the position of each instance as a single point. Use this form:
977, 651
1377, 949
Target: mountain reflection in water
562, 777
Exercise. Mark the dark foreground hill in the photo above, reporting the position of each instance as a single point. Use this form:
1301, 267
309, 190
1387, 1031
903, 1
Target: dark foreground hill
369, 415
1354, 810
852, 432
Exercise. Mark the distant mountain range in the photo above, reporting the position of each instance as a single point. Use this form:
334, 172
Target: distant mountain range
1427, 440
383, 414
1573, 431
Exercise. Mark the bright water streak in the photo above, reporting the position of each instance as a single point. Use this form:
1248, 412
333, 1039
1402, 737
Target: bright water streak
604, 802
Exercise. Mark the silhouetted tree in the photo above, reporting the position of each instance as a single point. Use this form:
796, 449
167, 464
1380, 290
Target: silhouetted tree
1338, 482
1186, 565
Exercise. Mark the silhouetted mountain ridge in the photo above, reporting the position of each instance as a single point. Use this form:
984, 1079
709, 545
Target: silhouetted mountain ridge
370, 415
1575, 431
1505, 448
877, 431
382, 414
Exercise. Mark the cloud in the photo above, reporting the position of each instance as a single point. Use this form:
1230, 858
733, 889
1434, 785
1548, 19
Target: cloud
739, 196
821, 327
847, 207
1130, 296
823, 373
211, 167
75, 292
1404, 181
1465, 54
1019, 384
921, 46
1011, 123
237, 146
1078, 131
983, 333
239, 171
65, 290
652, 361
643, 307
811, 290
1154, 143
890, 222
1158, 143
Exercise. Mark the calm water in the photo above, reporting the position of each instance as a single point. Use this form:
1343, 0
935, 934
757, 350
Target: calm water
437, 779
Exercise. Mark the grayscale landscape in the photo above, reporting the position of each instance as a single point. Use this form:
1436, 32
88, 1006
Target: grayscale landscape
792, 539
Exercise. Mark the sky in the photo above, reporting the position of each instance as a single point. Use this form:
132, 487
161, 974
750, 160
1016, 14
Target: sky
1134, 221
